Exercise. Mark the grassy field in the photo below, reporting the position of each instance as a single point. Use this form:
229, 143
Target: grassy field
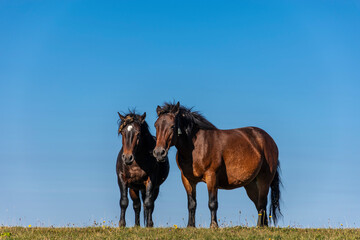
176, 233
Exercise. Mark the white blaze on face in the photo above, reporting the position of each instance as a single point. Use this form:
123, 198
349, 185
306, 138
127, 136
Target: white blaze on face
129, 128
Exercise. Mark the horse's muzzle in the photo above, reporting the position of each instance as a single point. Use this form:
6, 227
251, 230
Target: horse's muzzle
128, 159
160, 154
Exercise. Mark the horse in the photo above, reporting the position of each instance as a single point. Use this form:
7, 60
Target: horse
137, 169
223, 159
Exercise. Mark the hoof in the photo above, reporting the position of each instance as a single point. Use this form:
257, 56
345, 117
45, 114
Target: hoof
122, 223
214, 225
262, 219
261, 226
150, 224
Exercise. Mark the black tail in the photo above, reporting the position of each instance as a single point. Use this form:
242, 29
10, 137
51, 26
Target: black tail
275, 196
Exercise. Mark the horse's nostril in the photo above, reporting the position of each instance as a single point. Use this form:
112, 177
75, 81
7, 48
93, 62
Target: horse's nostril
131, 157
123, 157
163, 152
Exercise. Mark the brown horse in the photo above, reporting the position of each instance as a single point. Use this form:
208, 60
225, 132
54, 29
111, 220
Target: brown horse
137, 169
223, 159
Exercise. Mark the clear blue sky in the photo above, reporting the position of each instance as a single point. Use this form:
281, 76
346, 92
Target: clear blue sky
67, 67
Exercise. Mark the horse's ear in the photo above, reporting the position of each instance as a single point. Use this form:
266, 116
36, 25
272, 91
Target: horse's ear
158, 110
176, 109
122, 118
142, 117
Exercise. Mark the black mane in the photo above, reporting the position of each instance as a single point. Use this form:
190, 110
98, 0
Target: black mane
189, 121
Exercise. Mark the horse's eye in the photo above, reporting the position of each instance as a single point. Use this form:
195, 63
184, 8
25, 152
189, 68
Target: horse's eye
173, 126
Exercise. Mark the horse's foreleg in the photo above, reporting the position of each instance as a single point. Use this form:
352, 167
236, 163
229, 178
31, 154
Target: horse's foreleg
191, 194
151, 195
134, 194
151, 210
211, 183
143, 196
124, 201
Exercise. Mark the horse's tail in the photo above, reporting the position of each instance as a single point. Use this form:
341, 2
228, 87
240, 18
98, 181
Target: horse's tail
275, 196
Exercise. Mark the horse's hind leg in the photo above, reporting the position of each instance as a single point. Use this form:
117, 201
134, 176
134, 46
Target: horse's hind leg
134, 194
259, 197
211, 183
261, 207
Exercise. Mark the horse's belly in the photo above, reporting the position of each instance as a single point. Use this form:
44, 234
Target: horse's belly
231, 186
137, 186
238, 172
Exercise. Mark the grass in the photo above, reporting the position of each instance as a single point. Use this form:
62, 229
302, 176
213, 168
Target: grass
176, 233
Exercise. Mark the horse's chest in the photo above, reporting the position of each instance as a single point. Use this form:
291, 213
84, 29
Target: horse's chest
134, 175
191, 169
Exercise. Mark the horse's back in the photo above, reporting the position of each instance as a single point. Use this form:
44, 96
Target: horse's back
260, 141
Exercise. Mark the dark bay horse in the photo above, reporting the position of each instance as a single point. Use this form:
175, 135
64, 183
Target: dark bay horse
223, 159
137, 169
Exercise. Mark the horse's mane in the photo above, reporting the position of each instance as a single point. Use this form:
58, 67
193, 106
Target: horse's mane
132, 117
190, 121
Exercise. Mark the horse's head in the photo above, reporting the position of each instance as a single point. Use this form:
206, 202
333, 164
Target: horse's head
130, 130
166, 131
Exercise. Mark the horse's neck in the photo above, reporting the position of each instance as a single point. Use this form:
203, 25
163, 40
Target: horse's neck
185, 145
